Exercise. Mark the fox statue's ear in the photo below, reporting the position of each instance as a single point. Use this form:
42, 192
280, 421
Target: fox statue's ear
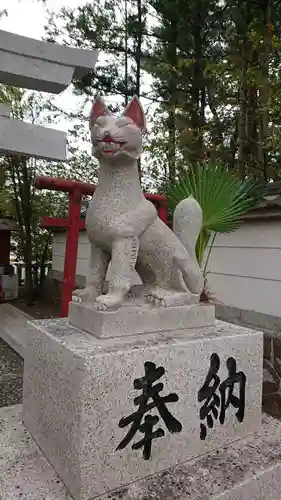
98, 109
134, 110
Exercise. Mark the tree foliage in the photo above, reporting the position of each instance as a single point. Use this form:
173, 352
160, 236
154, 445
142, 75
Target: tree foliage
116, 31
207, 70
218, 75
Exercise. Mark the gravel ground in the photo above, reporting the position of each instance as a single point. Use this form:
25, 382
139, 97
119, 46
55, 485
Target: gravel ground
38, 310
11, 364
11, 374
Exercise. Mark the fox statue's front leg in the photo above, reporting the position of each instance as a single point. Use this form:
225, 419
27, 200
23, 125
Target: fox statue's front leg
125, 246
98, 265
123, 261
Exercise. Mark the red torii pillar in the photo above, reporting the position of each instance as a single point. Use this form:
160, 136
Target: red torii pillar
74, 224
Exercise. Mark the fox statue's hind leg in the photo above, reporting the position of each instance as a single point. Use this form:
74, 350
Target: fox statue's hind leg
170, 259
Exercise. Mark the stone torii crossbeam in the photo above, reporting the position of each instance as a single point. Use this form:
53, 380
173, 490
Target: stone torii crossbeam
43, 66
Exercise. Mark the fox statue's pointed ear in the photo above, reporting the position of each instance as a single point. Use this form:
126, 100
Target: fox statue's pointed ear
98, 109
134, 110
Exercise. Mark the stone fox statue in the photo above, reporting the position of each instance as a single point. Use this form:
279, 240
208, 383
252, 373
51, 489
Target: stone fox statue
123, 226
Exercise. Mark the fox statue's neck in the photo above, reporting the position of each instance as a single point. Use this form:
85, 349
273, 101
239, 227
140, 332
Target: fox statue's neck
119, 178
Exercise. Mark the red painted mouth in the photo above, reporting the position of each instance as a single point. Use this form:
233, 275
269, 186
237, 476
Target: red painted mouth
109, 140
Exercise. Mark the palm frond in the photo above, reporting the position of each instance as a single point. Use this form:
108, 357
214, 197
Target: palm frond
223, 197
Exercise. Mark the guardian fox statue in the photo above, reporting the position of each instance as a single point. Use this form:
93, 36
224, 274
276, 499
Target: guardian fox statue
123, 226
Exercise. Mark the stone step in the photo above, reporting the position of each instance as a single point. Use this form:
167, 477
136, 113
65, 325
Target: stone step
14, 327
12, 311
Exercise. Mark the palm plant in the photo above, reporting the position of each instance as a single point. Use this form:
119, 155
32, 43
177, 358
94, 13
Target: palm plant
223, 197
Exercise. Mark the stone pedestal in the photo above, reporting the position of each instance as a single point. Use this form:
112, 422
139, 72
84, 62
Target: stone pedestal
139, 318
83, 395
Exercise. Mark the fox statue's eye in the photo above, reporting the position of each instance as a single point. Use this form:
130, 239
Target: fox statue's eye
123, 121
100, 121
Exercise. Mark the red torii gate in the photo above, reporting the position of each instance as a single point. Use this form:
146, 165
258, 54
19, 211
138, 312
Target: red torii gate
74, 224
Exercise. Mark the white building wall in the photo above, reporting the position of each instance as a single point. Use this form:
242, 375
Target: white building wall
59, 241
245, 266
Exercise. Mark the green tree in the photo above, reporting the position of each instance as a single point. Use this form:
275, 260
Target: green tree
184, 65
6, 208
117, 31
214, 68
217, 69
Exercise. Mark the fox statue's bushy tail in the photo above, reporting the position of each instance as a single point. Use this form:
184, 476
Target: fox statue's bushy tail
187, 223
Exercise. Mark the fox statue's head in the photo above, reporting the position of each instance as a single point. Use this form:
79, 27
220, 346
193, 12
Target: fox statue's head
117, 138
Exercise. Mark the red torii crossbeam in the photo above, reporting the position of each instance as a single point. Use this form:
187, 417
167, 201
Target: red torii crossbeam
74, 224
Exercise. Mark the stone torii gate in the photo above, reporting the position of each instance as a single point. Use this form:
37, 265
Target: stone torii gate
48, 67
73, 224
36, 65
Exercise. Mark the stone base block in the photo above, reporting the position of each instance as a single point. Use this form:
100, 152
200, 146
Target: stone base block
132, 319
107, 412
248, 469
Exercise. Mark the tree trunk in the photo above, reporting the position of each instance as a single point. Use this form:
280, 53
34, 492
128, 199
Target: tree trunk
126, 54
43, 263
138, 56
242, 118
171, 124
264, 91
27, 215
22, 181
28, 286
198, 92
218, 128
138, 47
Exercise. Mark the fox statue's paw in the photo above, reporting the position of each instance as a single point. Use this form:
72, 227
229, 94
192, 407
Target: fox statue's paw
88, 294
167, 298
111, 301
